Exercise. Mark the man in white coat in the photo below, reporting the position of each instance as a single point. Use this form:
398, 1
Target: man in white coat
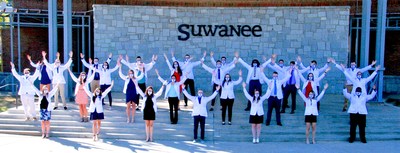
200, 110
26, 91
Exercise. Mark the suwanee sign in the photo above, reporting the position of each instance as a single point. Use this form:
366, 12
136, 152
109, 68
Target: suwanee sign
186, 31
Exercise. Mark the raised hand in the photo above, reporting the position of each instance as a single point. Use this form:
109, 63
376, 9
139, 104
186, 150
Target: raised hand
204, 54
299, 59
58, 55
217, 88
333, 61
377, 67
273, 56
82, 56
326, 86
71, 53
373, 62
297, 86
119, 63
240, 72
237, 54
154, 58
120, 57
264, 58
44, 53
374, 87
127, 58
110, 55
12, 65
29, 57
244, 84
211, 53
328, 69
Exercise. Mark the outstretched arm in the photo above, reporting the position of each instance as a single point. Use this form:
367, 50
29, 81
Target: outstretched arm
159, 93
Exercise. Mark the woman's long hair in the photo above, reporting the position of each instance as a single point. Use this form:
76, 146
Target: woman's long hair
95, 96
147, 92
230, 79
178, 68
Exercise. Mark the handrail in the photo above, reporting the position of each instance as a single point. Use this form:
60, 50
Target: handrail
16, 93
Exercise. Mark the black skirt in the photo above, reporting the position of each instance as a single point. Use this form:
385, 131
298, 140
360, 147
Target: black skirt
310, 119
96, 116
255, 119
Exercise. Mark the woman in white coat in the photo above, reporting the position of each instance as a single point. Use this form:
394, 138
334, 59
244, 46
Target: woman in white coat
256, 111
81, 98
149, 108
96, 108
172, 92
311, 111
45, 105
130, 91
227, 96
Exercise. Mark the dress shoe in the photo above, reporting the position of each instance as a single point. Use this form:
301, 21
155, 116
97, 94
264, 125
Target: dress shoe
194, 140
247, 109
344, 110
292, 112
351, 140
364, 140
283, 111
230, 123
211, 109
65, 108
223, 123
34, 119
287, 106
55, 108
280, 124
266, 124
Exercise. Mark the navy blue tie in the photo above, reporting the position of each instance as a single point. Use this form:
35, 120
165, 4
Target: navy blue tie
199, 100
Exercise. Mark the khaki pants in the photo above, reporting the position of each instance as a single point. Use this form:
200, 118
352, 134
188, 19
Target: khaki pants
94, 84
59, 92
28, 102
346, 101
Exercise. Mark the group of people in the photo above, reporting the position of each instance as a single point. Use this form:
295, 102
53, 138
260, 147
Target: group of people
285, 81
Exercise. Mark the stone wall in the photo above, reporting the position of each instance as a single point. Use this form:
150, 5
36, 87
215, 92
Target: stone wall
314, 33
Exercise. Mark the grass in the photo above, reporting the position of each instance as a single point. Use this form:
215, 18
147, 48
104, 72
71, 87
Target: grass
6, 102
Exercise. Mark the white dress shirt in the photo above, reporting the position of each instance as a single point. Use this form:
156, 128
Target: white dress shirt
227, 89
358, 103
187, 67
222, 73
25, 83
200, 108
311, 104
154, 99
58, 75
175, 86
279, 83
105, 75
257, 105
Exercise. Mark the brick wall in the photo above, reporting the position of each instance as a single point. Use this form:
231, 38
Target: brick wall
33, 40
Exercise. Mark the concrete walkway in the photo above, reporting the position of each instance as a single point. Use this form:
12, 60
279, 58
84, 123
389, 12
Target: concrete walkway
17, 143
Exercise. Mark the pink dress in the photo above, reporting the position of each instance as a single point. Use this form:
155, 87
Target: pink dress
81, 97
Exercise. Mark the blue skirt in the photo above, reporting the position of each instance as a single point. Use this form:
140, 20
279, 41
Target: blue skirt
45, 115
96, 116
